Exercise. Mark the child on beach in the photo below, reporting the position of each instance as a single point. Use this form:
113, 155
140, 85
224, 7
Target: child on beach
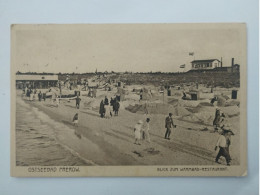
75, 119
137, 130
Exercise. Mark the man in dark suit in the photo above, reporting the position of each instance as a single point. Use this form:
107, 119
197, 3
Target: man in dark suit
77, 102
168, 125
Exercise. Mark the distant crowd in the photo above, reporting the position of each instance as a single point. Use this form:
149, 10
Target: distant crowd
32, 94
107, 108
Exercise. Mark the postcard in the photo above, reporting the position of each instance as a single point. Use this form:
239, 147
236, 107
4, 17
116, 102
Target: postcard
128, 100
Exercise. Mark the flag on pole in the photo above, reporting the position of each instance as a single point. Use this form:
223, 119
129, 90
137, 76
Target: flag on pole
182, 66
191, 53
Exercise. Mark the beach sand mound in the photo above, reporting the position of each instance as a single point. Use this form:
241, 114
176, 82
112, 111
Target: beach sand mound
232, 103
158, 108
206, 114
188, 103
199, 118
231, 111
173, 101
203, 113
205, 104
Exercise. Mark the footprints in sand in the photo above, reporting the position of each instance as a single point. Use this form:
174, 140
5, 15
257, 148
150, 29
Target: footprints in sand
146, 152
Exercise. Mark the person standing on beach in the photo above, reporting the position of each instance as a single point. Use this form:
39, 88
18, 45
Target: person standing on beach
216, 119
31, 95
146, 134
106, 101
102, 109
223, 149
112, 101
168, 125
137, 130
44, 96
34, 94
116, 107
141, 94
77, 102
228, 132
40, 96
222, 121
213, 100
28, 94
75, 119
107, 111
112, 104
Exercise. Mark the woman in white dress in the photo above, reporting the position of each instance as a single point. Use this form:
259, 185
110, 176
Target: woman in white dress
137, 130
146, 128
108, 111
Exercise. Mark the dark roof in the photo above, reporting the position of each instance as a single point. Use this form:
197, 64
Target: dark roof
209, 60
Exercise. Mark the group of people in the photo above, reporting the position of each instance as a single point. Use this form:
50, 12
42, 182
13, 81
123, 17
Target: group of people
106, 108
224, 141
141, 131
31, 94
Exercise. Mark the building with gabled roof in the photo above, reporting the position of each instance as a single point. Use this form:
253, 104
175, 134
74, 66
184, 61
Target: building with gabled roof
205, 64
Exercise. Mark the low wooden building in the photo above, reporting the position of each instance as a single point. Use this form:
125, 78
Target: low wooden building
36, 81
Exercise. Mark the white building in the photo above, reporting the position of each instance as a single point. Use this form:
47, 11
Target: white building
205, 64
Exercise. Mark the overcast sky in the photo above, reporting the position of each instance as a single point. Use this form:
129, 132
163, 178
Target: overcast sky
137, 48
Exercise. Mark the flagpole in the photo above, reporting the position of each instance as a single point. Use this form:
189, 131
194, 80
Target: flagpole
192, 54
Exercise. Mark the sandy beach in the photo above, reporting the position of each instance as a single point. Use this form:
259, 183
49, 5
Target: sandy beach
100, 141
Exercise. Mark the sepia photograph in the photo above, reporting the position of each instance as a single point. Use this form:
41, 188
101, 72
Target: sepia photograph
128, 100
